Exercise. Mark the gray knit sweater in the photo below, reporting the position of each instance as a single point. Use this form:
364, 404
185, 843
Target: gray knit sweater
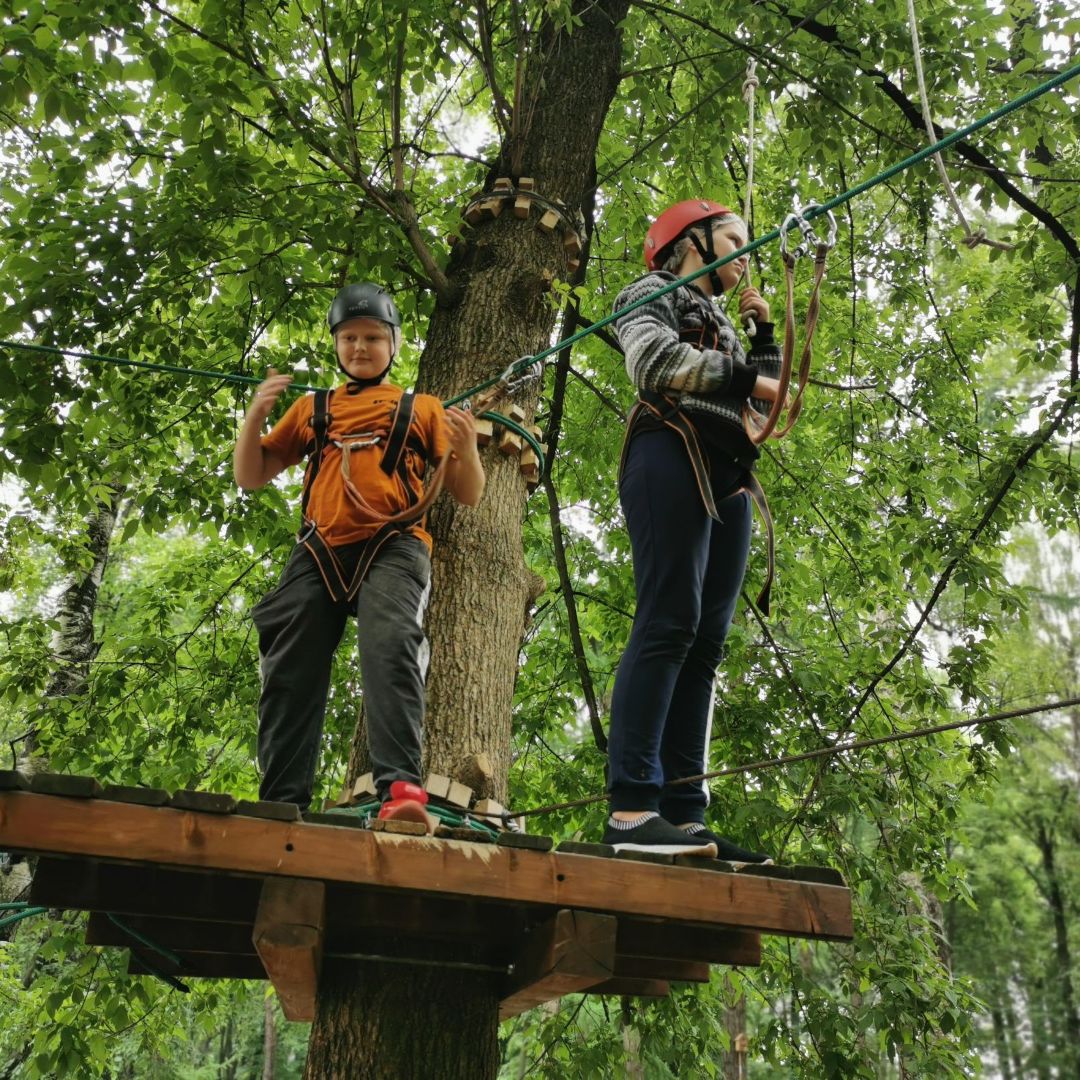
660, 341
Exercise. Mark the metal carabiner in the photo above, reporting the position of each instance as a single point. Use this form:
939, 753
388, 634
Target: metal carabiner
809, 237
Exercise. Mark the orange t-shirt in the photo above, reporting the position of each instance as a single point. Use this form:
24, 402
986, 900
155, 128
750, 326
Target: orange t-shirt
370, 410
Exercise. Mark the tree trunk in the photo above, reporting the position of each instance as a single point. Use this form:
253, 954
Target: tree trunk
269, 1039
1070, 1058
416, 1021
412, 1023
733, 1060
1001, 1045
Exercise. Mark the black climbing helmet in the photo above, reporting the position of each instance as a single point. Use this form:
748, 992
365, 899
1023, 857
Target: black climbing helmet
363, 301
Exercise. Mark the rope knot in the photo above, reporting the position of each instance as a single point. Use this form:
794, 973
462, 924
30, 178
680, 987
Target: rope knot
750, 83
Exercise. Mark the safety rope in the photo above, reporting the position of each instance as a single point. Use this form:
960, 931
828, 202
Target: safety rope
821, 752
972, 237
26, 912
749, 91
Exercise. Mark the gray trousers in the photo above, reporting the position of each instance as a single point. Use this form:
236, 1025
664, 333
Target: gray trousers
300, 626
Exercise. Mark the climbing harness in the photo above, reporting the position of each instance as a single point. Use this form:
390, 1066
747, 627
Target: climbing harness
758, 428
343, 582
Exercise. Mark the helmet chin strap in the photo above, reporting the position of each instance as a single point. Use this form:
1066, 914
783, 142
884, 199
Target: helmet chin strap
354, 385
708, 255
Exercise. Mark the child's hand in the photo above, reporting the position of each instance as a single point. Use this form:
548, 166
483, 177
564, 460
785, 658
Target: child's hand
461, 428
266, 395
769, 389
751, 305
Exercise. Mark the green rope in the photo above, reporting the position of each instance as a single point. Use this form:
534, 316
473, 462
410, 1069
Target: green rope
153, 946
145, 365
15, 905
526, 361
11, 920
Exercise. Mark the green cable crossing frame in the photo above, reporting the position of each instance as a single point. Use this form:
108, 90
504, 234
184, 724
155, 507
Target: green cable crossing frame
808, 215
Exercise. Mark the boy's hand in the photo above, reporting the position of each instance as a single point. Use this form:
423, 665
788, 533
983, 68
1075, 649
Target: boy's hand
753, 306
461, 429
767, 388
266, 395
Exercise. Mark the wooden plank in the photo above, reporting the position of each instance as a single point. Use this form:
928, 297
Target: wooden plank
78, 787
144, 796
196, 965
277, 811
657, 940
565, 955
288, 936
207, 802
30, 822
177, 935
533, 841
637, 967
87, 885
633, 988
13, 780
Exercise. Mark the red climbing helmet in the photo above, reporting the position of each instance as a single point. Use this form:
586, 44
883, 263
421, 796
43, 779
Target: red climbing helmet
674, 221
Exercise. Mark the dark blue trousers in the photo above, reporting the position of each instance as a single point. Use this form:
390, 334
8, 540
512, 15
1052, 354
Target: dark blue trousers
688, 571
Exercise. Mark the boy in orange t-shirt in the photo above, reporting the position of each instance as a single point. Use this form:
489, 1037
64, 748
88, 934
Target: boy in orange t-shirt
349, 558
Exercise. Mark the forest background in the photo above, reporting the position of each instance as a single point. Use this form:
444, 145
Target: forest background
188, 183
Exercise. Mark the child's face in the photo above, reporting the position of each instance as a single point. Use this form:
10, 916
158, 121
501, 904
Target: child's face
363, 347
727, 238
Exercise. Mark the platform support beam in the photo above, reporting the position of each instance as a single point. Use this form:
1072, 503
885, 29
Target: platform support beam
288, 936
570, 952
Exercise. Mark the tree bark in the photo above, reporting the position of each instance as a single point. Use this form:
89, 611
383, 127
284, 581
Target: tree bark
379, 1021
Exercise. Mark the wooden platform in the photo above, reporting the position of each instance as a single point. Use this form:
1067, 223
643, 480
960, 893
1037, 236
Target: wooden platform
234, 891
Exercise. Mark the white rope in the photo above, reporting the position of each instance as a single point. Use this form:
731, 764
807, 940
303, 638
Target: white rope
749, 93
972, 238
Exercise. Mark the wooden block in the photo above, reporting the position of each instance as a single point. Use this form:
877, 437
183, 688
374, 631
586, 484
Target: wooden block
341, 820
207, 802
530, 465
526, 183
522, 205
13, 780
509, 444
401, 828
130, 793
517, 414
474, 213
504, 184
273, 811
567, 954
485, 429
288, 937
459, 795
571, 243
364, 788
575, 847
493, 207
491, 811
573, 264
525, 840
78, 787
550, 219
437, 785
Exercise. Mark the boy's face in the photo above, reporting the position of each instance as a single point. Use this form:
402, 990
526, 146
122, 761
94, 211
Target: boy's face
363, 347
727, 238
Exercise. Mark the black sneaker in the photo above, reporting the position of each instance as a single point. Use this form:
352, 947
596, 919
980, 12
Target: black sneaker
656, 834
728, 851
